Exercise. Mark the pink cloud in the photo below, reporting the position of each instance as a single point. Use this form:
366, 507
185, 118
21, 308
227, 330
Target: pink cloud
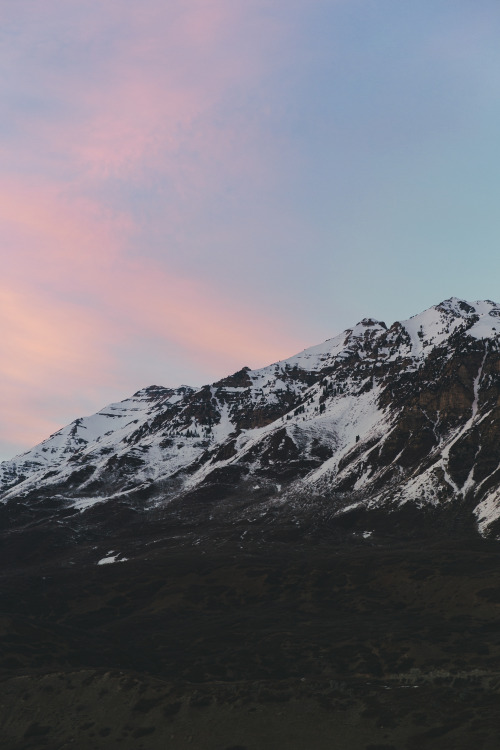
74, 306
51, 357
71, 246
147, 91
142, 100
195, 317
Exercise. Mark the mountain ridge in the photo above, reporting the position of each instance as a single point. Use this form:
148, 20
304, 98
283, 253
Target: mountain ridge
376, 417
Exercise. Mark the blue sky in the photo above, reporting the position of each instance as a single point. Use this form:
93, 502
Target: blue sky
188, 187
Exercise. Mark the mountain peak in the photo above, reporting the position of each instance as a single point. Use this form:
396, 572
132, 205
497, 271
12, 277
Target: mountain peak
371, 322
464, 309
454, 303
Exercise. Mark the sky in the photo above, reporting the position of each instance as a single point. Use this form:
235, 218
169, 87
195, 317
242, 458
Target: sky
191, 186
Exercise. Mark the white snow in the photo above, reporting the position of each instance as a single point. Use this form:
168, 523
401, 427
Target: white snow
488, 510
111, 559
87, 502
348, 417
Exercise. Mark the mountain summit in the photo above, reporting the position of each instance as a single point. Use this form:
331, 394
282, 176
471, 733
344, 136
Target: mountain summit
375, 418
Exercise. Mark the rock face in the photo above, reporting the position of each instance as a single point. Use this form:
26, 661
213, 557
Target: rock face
378, 417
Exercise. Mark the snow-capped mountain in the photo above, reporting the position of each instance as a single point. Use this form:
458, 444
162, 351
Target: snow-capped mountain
375, 417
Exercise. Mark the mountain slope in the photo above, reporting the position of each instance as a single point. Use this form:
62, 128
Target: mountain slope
376, 417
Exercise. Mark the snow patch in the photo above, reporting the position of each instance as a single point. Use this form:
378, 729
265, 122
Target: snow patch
112, 559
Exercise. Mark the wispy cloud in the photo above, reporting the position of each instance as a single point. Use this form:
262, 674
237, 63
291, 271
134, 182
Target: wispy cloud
76, 308
111, 107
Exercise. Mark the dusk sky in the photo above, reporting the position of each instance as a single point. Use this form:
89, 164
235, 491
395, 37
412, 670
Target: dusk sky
190, 186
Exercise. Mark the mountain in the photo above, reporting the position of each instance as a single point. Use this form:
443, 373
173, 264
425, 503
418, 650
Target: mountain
286, 558
398, 418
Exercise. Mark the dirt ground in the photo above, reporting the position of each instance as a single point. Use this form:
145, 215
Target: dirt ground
312, 647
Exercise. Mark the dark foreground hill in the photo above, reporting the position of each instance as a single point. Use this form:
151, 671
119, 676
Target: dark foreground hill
287, 647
